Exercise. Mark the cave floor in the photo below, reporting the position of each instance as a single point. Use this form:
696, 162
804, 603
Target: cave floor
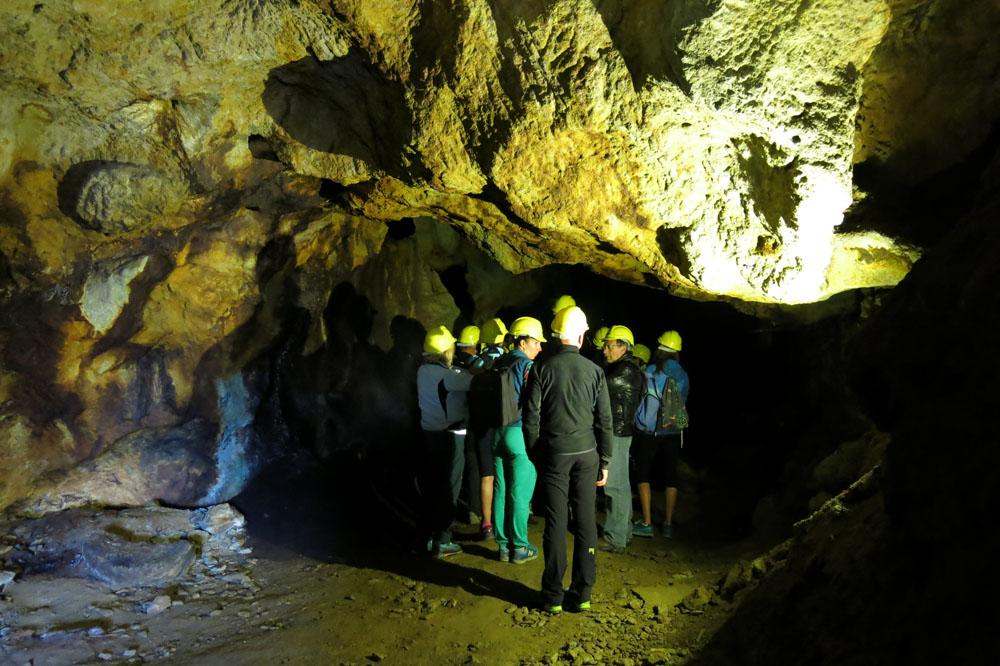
325, 586
363, 606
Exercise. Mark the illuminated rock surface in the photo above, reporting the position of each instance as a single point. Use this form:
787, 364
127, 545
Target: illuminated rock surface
179, 183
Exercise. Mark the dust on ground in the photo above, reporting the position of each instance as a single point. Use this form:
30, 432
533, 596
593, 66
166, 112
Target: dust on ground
330, 583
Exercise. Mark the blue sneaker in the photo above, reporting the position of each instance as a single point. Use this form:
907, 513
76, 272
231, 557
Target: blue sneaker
447, 550
640, 528
668, 531
503, 554
523, 554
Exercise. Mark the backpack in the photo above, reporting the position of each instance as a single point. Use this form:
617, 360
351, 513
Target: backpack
493, 396
661, 411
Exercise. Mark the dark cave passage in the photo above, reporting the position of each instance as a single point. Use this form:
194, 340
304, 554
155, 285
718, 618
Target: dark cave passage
765, 409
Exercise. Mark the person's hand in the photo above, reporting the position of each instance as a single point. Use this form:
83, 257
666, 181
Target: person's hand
603, 479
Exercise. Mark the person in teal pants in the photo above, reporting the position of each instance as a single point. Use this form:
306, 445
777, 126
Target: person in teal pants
514, 478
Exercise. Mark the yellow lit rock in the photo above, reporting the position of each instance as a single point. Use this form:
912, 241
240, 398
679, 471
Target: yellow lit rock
183, 185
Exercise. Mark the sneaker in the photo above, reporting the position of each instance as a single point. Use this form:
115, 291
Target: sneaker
503, 554
523, 554
582, 607
447, 550
668, 531
552, 609
487, 532
640, 528
606, 547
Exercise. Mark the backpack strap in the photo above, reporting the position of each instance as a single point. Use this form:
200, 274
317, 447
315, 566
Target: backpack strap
657, 393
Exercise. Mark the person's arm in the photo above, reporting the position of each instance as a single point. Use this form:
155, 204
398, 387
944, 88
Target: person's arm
458, 379
685, 386
602, 423
531, 410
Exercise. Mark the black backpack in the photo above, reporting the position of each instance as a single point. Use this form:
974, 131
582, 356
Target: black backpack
493, 397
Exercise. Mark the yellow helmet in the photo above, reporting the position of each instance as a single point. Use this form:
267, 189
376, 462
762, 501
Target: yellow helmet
620, 333
599, 336
469, 337
527, 326
569, 322
493, 332
641, 352
439, 339
671, 340
564, 301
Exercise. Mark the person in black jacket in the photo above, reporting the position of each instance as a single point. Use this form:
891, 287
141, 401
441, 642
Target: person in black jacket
626, 384
566, 410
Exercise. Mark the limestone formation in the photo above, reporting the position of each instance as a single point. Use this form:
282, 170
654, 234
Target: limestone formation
182, 186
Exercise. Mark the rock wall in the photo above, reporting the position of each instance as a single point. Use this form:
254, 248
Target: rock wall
893, 570
182, 186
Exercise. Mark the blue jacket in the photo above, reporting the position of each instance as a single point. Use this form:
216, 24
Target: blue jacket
441, 395
674, 369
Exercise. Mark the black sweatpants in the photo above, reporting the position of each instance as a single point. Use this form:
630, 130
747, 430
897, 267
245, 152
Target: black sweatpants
478, 463
443, 463
569, 481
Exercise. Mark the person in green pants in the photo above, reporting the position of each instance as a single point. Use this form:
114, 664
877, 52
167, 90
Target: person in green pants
514, 478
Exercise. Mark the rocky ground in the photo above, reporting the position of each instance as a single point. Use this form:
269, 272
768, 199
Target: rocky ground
324, 589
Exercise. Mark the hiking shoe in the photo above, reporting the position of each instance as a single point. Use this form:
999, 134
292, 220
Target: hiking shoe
606, 547
503, 554
642, 529
552, 609
447, 550
668, 531
582, 607
523, 554
487, 533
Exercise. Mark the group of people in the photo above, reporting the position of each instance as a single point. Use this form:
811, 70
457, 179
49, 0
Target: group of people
574, 432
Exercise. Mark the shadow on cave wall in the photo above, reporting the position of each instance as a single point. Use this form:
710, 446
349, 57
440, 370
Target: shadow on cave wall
344, 106
918, 213
341, 426
650, 44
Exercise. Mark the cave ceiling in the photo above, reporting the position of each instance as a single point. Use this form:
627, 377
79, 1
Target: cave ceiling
703, 146
175, 175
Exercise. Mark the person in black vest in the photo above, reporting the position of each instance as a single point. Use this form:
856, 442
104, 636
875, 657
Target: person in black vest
566, 411
626, 384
